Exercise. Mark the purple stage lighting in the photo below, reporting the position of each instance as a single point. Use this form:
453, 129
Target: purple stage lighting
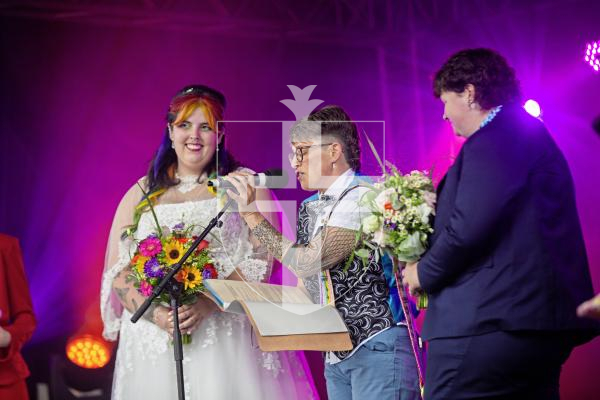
592, 55
533, 108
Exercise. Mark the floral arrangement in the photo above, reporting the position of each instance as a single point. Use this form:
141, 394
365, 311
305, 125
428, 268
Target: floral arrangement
401, 207
399, 222
156, 255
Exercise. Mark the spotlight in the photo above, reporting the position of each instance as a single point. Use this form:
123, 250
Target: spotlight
533, 108
71, 382
88, 351
592, 55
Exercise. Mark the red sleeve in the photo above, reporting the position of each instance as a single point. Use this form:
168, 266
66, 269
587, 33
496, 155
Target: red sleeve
15, 302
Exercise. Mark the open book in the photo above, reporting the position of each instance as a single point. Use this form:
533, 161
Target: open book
283, 317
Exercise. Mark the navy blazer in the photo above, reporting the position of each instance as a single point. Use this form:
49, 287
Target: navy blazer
507, 252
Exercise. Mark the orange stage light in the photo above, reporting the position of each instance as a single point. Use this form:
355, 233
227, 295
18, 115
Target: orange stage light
88, 351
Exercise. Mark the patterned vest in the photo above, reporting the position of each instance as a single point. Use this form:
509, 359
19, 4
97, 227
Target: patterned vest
361, 292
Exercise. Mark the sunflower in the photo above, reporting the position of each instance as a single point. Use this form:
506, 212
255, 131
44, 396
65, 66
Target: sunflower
190, 276
174, 251
139, 261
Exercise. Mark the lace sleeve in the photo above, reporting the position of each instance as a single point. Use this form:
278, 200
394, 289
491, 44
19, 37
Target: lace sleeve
245, 253
118, 255
242, 252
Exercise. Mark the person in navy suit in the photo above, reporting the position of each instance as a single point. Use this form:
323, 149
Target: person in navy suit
507, 266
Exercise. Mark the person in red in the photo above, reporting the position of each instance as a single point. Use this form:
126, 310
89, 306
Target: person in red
17, 321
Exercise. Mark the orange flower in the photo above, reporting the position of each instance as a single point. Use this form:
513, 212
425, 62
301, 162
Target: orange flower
138, 261
190, 277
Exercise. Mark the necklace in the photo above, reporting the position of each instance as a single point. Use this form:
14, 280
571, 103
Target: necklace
188, 183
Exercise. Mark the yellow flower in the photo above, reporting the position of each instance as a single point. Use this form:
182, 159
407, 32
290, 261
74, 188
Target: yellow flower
150, 198
212, 190
190, 277
174, 251
138, 262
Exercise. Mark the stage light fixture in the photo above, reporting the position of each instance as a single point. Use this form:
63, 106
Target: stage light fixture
592, 55
88, 351
533, 108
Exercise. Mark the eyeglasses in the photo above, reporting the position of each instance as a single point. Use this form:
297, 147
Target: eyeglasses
299, 153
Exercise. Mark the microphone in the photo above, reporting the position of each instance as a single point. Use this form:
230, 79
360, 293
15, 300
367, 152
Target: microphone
271, 178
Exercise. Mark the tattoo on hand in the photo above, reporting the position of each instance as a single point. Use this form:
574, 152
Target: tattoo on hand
270, 237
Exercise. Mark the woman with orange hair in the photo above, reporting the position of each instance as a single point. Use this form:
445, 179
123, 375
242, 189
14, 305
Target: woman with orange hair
221, 362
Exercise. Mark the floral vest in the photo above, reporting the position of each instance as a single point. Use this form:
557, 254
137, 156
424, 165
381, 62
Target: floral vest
361, 293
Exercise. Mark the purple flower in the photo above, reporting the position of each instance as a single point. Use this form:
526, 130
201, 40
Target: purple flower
153, 269
209, 272
179, 226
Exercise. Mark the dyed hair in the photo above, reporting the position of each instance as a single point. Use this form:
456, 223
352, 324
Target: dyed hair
494, 80
333, 121
161, 172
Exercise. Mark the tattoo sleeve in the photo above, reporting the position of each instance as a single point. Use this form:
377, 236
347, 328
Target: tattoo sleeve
129, 297
324, 251
122, 293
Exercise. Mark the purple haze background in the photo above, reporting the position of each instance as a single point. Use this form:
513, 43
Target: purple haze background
82, 108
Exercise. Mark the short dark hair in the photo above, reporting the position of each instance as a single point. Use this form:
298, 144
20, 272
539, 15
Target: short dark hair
494, 79
336, 122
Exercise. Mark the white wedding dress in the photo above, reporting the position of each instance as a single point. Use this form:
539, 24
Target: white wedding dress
223, 362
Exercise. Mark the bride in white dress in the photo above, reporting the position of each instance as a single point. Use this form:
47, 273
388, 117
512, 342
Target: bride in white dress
223, 362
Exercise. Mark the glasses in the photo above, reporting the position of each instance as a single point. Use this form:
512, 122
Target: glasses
299, 153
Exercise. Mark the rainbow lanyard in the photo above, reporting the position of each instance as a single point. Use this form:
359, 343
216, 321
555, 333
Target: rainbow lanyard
326, 288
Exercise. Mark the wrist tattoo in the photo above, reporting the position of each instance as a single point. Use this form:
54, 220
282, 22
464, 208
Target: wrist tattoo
270, 237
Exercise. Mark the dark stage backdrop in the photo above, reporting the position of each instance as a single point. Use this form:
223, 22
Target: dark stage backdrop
83, 92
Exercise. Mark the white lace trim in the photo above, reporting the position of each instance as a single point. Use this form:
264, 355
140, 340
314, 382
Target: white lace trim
110, 307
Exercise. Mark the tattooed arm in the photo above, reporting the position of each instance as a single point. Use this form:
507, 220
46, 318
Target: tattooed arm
332, 246
324, 251
132, 300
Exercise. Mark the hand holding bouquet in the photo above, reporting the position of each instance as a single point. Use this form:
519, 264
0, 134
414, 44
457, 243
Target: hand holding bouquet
155, 256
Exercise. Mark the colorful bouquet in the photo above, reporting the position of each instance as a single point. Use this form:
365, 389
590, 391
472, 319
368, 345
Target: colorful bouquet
399, 222
155, 256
